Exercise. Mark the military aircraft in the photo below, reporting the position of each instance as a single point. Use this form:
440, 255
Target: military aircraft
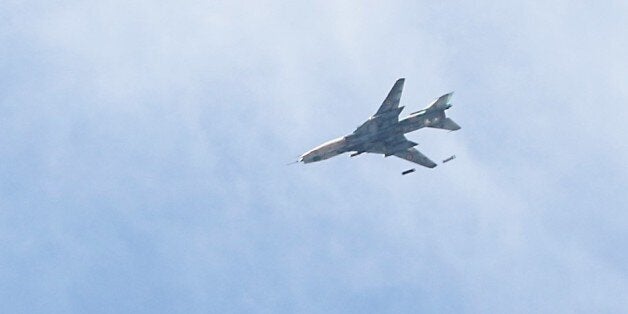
383, 133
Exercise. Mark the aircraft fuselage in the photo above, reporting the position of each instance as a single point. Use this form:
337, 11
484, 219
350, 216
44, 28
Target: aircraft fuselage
361, 142
383, 133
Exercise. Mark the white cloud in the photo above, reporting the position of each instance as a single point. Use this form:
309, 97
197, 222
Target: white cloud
143, 160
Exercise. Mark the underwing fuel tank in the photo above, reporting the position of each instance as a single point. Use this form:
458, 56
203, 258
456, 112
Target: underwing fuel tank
408, 171
452, 157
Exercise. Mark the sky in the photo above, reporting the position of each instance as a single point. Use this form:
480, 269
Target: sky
143, 152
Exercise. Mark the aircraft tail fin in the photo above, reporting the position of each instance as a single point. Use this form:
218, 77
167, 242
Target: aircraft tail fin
441, 103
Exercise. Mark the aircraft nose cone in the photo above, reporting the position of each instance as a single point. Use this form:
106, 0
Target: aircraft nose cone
305, 158
309, 157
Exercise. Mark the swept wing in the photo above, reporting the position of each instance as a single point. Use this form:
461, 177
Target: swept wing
413, 155
392, 100
403, 148
388, 112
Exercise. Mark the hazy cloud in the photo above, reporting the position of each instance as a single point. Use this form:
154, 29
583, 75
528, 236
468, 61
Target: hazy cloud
144, 144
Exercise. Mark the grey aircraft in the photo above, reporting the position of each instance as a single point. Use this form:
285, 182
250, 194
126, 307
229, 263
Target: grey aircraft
383, 133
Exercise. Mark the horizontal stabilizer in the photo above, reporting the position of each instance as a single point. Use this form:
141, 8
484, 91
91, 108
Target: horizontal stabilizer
446, 124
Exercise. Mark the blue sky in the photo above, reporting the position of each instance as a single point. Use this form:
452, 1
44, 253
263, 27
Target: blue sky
143, 149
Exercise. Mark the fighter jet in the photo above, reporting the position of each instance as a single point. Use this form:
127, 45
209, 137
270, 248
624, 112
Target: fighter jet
383, 133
